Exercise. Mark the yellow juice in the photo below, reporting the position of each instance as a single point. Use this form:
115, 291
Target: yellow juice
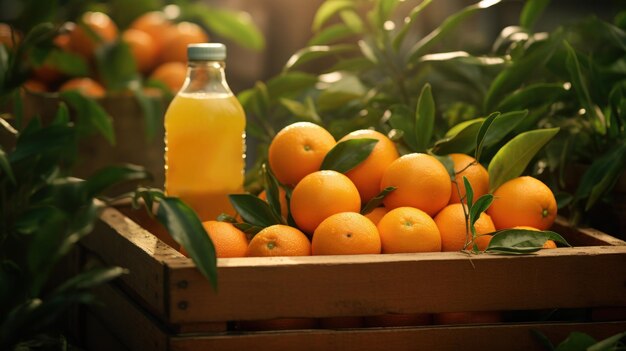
205, 151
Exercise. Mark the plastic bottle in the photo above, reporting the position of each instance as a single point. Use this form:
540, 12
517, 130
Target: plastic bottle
205, 136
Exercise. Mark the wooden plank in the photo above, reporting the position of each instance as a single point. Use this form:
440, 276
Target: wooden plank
584, 236
97, 337
487, 337
324, 286
119, 241
134, 328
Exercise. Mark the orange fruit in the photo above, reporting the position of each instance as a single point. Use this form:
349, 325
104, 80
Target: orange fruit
142, 48
172, 74
421, 181
452, 227
156, 25
549, 244
366, 175
177, 39
8, 36
480, 317
407, 229
346, 233
47, 73
101, 24
523, 201
476, 174
279, 240
227, 239
298, 150
398, 320
376, 214
320, 195
85, 86
34, 85
282, 197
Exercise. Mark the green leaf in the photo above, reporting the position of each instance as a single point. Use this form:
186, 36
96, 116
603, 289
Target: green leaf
62, 117
90, 279
459, 139
348, 154
469, 197
579, 82
352, 20
576, 341
422, 47
402, 118
328, 9
481, 205
90, 115
310, 53
152, 113
112, 175
408, 22
601, 176
531, 12
518, 72
185, 227
338, 94
290, 83
533, 95
609, 343
4, 70
69, 63
5, 166
272, 191
384, 10
368, 51
521, 241
511, 160
248, 228
377, 200
482, 133
503, 126
542, 339
424, 119
331, 34
53, 141
254, 211
305, 112
235, 25
116, 65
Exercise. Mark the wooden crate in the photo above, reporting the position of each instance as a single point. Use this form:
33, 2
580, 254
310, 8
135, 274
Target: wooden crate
166, 304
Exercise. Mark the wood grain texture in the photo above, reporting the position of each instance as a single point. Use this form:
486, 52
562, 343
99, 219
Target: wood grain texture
324, 286
468, 338
119, 241
132, 326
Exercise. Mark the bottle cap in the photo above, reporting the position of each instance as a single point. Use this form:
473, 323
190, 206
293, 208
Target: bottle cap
206, 52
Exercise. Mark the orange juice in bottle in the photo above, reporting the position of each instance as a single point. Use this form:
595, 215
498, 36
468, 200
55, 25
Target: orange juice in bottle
205, 136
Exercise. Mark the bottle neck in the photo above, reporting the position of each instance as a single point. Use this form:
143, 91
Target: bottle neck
206, 77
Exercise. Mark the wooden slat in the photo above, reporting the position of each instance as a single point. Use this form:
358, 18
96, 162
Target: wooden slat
97, 337
117, 240
262, 288
134, 328
469, 338
584, 236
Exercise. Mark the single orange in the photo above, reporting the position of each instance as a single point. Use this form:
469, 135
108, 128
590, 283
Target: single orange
172, 74
298, 150
452, 227
85, 86
398, 320
549, 244
346, 233
481, 317
476, 174
421, 181
227, 239
524, 201
376, 214
101, 25
367, 175
156, 25
407, 229
320, 195
142, 48
282, 198
177, 39
279, 240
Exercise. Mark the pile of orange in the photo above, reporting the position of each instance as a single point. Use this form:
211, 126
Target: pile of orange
423, 214
158, 47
